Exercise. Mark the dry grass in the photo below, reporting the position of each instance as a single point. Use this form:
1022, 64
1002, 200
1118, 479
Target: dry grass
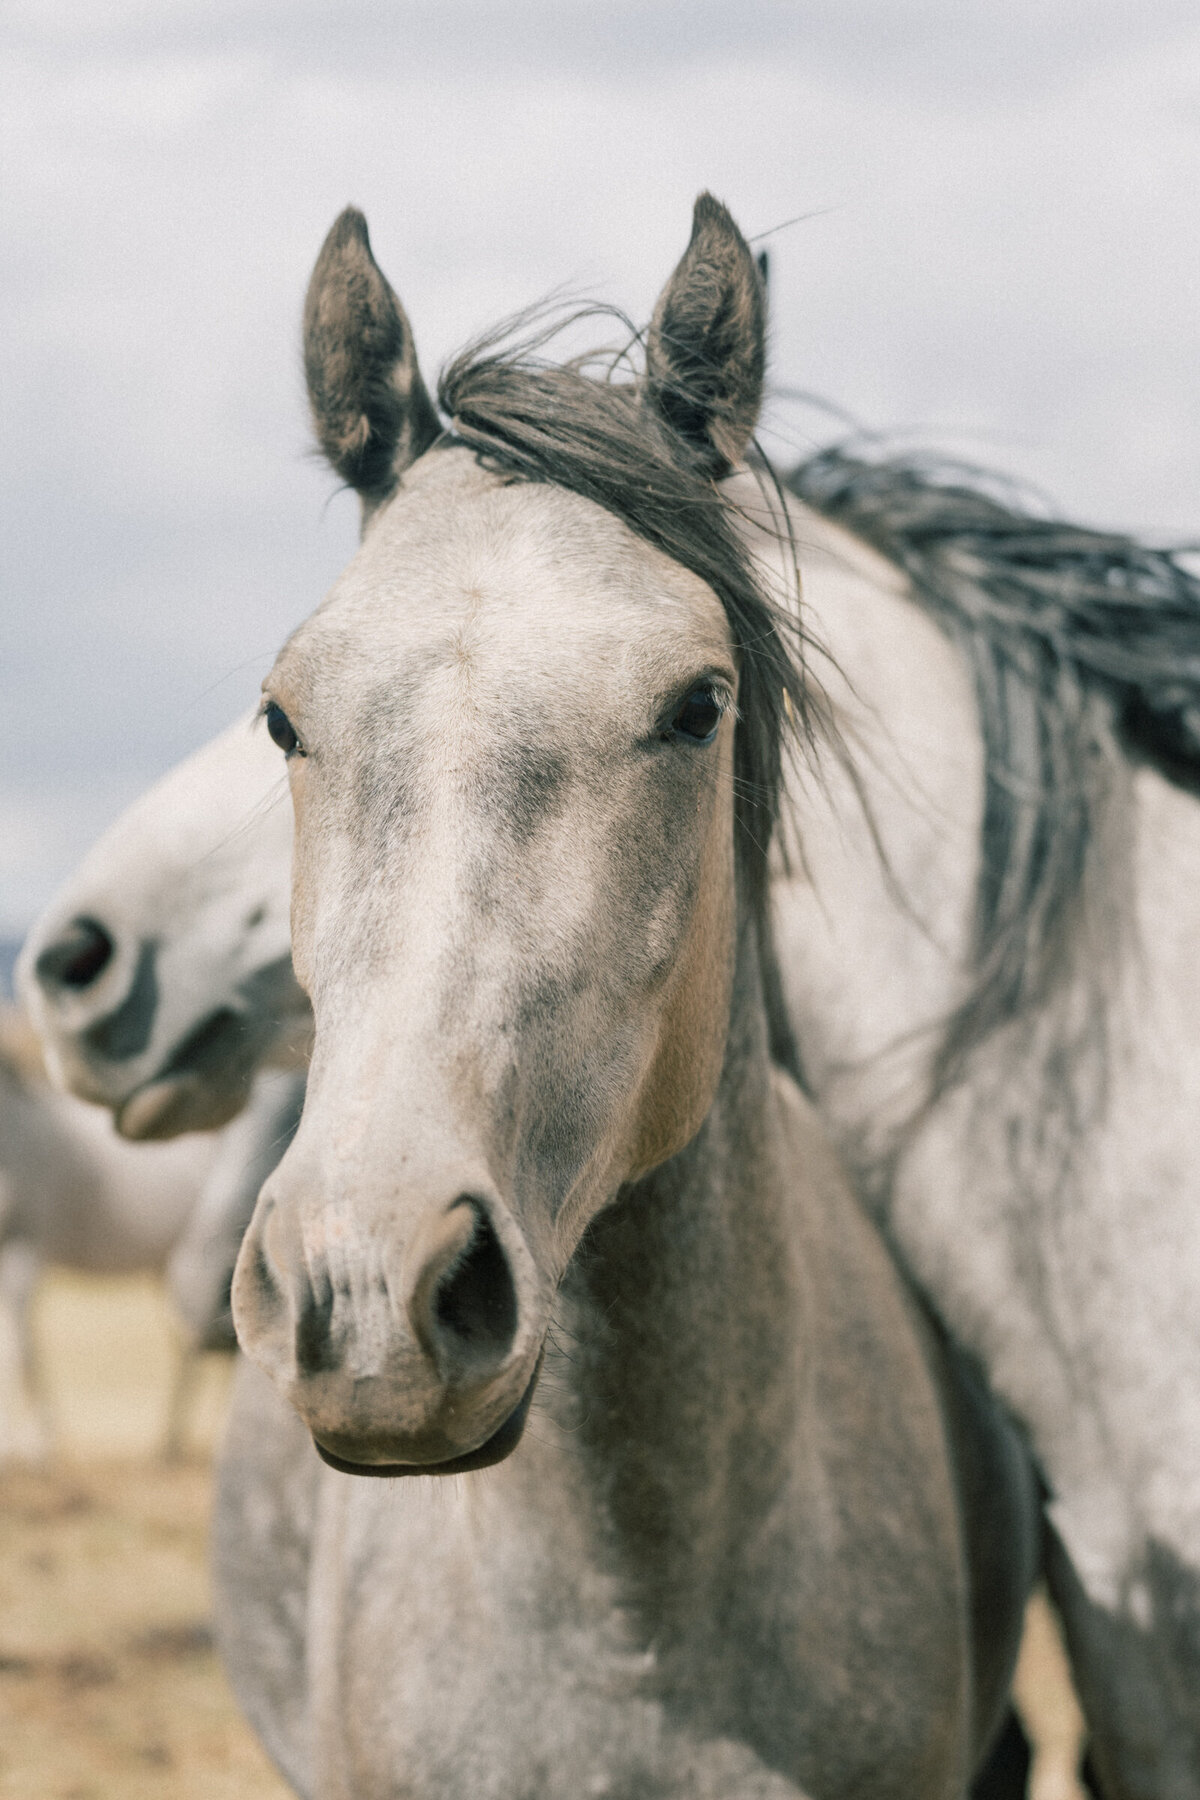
109, 1686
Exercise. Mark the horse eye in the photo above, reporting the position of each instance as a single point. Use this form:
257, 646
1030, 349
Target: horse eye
280, 728
699, 716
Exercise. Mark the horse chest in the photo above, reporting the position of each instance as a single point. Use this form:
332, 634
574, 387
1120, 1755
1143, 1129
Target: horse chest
456, 1648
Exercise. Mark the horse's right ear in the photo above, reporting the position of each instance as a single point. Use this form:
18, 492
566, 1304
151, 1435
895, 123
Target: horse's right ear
706, 347
370, 407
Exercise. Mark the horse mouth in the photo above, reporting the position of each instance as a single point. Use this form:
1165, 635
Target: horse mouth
167, 1108
202, 1085
502, 1443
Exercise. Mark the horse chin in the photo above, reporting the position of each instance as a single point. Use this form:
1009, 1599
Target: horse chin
204, 1082
494, 1449
166, 1108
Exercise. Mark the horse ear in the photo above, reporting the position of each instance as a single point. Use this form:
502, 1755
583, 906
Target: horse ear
706, 349
370, 407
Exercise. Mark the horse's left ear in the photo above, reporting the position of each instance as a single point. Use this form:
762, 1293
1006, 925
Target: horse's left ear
371, 409
706, 349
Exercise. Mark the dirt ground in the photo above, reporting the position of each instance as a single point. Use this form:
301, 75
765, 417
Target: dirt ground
109, 1685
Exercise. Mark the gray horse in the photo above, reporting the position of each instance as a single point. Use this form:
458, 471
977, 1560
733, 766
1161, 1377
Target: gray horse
762, 1537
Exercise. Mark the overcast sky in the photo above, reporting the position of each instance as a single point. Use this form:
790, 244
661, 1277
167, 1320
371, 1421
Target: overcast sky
1004, 256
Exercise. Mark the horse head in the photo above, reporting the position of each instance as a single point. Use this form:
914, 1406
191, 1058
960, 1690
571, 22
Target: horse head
160, 977
518, 868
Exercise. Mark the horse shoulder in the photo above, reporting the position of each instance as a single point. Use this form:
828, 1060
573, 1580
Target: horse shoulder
867, 1341
875, 1425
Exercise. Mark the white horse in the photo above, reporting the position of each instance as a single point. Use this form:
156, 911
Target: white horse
168, 1029
990, 981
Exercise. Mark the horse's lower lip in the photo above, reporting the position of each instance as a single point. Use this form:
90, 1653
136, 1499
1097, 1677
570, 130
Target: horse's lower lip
147, 1109
502, 1443
167, 1107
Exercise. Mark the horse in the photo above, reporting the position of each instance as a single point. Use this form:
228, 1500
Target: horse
72, 1192
986, 984
168, 1028
763, 1535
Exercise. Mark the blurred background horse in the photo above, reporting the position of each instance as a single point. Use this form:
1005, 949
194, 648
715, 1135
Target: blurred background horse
73, 1193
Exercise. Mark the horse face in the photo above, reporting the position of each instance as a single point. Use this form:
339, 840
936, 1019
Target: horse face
510, 731
160, 977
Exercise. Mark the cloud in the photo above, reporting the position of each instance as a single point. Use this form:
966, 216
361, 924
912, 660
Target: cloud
1004, 255
927, 46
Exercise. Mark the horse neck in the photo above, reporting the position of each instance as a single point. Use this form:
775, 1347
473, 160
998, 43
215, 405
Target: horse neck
681, 1325
874, 914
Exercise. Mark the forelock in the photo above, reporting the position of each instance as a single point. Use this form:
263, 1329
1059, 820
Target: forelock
583, 426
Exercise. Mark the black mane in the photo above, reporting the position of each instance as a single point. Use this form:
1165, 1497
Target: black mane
1084, 649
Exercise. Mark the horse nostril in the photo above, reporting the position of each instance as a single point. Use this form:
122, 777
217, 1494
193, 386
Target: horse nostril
476, 1303
76, 959
464, 1301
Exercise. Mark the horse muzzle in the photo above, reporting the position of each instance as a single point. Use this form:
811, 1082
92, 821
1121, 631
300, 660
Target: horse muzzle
430, 1370
502, 1442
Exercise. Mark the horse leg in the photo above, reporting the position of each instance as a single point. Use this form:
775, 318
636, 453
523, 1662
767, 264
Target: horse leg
262, 1538
183, 1388
1005, 1774
24, 1422
1137, 1672
1044, 1701
1039, 1750
1000, 1508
